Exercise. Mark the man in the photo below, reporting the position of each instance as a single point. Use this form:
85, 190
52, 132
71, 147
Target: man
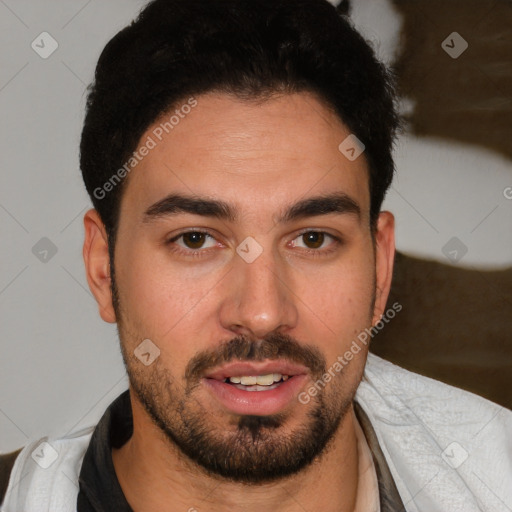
237, 153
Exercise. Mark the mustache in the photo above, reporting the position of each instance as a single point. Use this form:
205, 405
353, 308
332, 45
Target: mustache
243, 348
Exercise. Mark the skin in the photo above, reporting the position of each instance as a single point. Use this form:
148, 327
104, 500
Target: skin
261, 157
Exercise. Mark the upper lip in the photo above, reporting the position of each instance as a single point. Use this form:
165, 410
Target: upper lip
240, 368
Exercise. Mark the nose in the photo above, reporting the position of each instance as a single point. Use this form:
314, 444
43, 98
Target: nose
259, 299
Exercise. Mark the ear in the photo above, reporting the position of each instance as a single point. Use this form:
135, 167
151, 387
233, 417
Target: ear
384, 258
97, 264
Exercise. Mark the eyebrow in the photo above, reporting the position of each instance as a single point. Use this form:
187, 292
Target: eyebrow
174, 204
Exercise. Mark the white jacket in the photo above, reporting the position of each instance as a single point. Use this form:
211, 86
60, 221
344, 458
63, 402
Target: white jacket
448, 450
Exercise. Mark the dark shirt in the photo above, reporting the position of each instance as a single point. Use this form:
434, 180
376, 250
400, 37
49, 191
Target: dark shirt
100, 490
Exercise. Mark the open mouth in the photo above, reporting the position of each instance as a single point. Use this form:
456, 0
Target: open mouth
257, 387
257, 382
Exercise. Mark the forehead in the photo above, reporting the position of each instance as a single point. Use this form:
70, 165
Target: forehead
251, 154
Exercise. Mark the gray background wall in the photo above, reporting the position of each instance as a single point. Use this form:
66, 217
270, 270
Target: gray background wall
60, 365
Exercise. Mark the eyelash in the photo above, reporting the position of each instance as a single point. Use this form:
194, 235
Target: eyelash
198, 253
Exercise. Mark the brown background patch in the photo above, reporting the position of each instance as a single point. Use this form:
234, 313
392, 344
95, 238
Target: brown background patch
469, 98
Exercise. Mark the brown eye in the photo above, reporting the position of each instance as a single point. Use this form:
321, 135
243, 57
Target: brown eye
317, 243
192, 243
194, 239
313, 239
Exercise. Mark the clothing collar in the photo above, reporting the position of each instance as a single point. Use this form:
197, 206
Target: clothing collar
390, 500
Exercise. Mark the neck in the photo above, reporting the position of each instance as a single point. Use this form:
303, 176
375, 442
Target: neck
154, 475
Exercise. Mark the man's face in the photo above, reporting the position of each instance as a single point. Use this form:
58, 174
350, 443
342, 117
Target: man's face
264, 291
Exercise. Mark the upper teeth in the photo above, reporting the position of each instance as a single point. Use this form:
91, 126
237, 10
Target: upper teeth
262, 380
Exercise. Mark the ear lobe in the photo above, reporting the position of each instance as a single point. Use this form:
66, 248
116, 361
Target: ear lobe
97, 264
384, 259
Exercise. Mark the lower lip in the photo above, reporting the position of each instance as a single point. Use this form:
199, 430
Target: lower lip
259, 403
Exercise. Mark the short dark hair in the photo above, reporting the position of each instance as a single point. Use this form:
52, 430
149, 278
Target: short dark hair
252, 49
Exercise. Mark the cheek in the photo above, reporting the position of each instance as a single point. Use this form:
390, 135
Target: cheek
341, 293
161, 300
337, 306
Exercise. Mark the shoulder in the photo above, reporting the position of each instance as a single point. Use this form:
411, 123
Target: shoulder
408, 398
44, 470
439, 440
